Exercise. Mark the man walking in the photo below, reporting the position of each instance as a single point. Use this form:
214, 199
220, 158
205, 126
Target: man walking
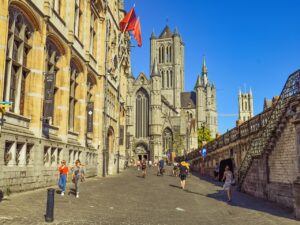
161, 165
144, 167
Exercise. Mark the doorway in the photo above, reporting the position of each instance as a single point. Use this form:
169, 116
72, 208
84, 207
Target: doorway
223, 164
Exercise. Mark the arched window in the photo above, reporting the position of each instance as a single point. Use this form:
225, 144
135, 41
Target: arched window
170, 54
167, 54
52, 58
246, 106
163, 54
19, 45
142, 113
167, 140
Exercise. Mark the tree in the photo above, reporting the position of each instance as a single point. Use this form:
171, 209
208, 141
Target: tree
204, 136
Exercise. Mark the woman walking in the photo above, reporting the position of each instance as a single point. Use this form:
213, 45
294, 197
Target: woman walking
63, 173
77, 175
228, 178
183, 172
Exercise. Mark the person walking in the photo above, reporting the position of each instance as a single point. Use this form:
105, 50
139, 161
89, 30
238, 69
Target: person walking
228, 178
144, 167
161, 165
77, 176
183, 172
150, 163
175, 169
63, 173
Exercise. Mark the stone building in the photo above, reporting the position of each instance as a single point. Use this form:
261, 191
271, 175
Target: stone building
65, 82
245, 106
264, 151
161, 117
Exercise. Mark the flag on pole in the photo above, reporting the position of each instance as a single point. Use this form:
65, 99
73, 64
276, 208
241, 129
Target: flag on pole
128, 22
137, 33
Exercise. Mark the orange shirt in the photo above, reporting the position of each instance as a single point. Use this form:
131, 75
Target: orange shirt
63, 170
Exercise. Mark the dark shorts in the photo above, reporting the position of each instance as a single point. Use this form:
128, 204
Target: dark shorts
182, 176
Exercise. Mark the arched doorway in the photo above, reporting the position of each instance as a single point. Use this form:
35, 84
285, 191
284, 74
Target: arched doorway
142, 151
109, 150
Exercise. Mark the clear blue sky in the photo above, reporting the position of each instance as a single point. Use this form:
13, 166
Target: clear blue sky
252, 42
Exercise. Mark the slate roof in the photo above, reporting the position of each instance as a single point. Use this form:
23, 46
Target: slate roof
188, 99
166, 33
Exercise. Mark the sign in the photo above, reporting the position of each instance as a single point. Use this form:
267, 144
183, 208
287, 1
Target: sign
204, 152
90, 110
49, 94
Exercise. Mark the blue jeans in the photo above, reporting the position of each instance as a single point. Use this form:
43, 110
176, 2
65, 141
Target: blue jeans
62, 182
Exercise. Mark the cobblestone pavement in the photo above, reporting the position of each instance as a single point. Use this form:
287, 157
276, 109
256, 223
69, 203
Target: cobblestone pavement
129, 199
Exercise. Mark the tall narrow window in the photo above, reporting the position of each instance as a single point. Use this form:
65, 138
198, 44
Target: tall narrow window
163, 54
163, 78
78, 20
93, 34
142, 114
57, 6
52, 57
18, 47
168, 79
170, 54
171, 78
72, 99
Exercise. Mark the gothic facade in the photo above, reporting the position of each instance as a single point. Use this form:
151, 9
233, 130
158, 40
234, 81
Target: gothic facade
161, 117
64, 66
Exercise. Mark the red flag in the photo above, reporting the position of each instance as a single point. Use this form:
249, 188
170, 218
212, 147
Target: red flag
137, 33
128, 22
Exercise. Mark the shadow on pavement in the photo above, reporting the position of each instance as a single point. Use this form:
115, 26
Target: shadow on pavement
243, 200
175, 186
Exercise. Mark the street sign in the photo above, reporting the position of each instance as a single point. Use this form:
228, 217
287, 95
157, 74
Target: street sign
204, 152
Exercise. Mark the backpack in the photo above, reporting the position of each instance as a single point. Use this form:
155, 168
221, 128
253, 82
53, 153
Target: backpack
183, 170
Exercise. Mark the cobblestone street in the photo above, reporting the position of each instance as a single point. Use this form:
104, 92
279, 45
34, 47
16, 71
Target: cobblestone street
130, 199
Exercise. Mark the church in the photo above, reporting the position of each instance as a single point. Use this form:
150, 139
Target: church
161, 117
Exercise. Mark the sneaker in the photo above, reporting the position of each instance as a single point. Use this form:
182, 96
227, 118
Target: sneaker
62, 193
77, 196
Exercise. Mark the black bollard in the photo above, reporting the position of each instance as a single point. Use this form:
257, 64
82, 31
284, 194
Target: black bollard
49, 217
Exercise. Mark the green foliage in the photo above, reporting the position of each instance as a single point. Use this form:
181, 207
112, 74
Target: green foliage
204, 136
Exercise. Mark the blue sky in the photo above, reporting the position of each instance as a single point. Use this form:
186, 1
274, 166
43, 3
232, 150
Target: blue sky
252, 43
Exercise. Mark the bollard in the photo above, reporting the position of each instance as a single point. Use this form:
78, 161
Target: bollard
49, 217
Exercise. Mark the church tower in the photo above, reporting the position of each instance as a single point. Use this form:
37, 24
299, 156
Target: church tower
168, 49
245, 106
206, 106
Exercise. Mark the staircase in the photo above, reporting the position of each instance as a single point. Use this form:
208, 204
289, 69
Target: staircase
265, 138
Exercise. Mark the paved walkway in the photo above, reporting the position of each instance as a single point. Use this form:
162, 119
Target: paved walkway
129, 199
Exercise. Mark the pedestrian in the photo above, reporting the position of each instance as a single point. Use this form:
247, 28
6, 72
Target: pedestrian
63, 173
150, 163
161, 165
183, 172
175, 169
216, 171
228, 178
77, 176
138, 164
144, 167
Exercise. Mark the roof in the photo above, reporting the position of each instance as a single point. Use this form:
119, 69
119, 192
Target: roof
166, 33
167, 103
188, 99
267, 103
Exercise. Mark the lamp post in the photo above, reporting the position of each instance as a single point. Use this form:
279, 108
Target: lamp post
118, 161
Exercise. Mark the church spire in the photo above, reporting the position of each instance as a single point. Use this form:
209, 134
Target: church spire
153, 35
155, 71
204, 68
